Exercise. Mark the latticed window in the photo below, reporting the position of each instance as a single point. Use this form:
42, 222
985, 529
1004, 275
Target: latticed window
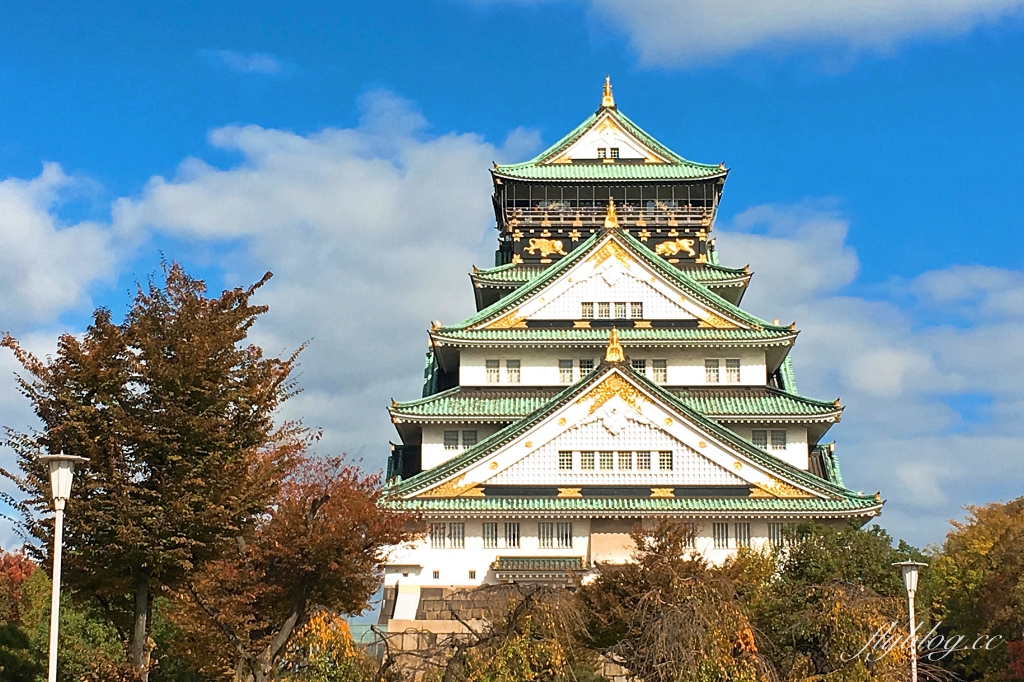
493, 371
778, 440
565, 461
490, 535
636, 310
457, 535
586, 365
665, 461
586, 310
604, 309
742, 533
625, 461
512, 371
565, 371
720, 532
690, 540
563, 535
468, 439
620, 310
732, 370
602, 152
546, 535
643, 461
639, 366
711, 370
512, 535
587, 461
451, 440
659, 368
606, 460
437, 534
614, 152
759, 437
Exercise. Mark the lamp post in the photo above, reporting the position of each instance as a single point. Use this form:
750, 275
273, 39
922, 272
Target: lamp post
910, 570
62, 471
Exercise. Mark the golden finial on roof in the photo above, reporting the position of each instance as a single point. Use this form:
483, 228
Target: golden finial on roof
614, 352
611, 219
607, 101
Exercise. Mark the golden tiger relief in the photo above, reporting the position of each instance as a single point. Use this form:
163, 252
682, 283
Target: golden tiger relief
546, 247
676, 247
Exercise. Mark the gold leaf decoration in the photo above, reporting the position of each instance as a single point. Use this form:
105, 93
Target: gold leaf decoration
709, 319
777, 488
613, 386
611, 249
663, 492
454, 488
513, 319
569, 492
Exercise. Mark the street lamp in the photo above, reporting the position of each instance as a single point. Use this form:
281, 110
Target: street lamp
62, 470
910, 570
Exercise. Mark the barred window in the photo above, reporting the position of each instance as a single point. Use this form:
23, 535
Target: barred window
565, 461
732, 370
639, 366
690, 541
643, 461
625, 461
457, 535
742, 532
711, 370
587, 461
563, 535
512, 535
437, 535
778, 440
660, 371
586, 365
614, 152
437, 575
602, 152
636, 310
493, 371
620, 310
490, 535
512, 371
776, 538
587, 310
604, 309
759, 437
720, 532
451, 440
606, 460
469, 439
565, 371
546, 535
472, 575
665, 461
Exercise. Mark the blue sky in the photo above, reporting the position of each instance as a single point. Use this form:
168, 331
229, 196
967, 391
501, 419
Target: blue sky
875, 188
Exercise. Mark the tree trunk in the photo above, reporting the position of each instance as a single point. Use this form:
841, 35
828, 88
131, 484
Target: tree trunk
140, 631
263, 670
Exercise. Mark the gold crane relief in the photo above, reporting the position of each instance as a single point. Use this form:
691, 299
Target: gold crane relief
546, 247
676, 247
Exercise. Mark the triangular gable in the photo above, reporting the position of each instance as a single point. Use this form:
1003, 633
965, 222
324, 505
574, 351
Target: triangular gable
607, 132
617, 393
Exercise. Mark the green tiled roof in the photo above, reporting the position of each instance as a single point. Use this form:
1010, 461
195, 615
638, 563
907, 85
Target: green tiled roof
538, 563
712, 402
636, 504
628, 336
515, 274
677, 167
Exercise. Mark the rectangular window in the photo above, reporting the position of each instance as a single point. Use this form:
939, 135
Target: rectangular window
602, 152
639, 366
625, 461
643, 461
586, 365
614, 152
468, 439
546, 535
565, 461
512, 371
437, 535
512, 535
457, 535
437, 575
690, 541
778, 440
620, 310
721, 535
776, 538
660, 371
606, 460
587, 461
711, 371
636, 310
604, 310
732, 370
565, 371
493, 371
451, 440
665, 461
472, 575
563, 535
759, 438
586, 310
742, 532
490, 535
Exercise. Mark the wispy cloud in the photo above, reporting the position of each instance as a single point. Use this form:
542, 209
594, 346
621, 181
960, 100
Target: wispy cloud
246, 62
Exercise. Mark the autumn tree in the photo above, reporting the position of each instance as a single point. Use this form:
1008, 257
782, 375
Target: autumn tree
175, 412
320, 545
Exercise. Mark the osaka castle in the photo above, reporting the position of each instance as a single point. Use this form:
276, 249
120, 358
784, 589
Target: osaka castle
609, 378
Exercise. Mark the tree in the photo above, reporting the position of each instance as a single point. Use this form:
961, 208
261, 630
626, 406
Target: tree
320, 544
175, 414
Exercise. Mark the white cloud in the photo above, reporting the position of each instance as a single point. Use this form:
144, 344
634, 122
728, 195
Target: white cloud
246, 62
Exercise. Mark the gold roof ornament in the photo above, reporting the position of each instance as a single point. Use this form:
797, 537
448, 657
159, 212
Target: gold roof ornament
614, 352
611, 219
607, 101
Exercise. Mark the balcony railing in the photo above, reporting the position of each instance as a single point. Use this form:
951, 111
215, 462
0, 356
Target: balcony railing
580, 216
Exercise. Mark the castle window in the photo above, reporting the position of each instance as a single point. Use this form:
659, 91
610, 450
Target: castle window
451, 440
565, 461
690, 541
490, 535
639, 366
732, 370
711, 370
565, 371
586, 365
472, 575
625, 461
546, 535
437, 575
778, 440
587, 461
604, 309
606, 460
587, 310
665, 461
660, 371
602, 152
776, 536
437, 535
759, 438
563, 535
512, 371
620, 310
457, 535
614, 152
643, 461
493, 371
512, 535
468, 439
720, 532
742, 532
636, 310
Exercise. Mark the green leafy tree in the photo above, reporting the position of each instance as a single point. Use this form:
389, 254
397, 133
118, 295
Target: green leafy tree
175, 413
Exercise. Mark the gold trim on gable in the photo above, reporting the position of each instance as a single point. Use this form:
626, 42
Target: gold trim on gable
777, 488
613, 386
709, 319
611, 249
663, 492
454, 488
569, 492
513, 319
